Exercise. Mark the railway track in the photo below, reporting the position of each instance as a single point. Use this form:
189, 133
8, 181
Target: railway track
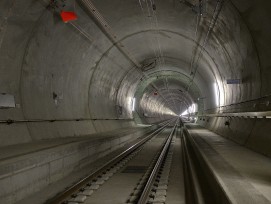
168, 166
82, 191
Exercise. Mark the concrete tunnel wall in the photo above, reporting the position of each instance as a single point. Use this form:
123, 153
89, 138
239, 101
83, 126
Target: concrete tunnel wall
63, 72
54, 72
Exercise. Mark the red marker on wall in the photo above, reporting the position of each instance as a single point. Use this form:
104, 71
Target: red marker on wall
68, 16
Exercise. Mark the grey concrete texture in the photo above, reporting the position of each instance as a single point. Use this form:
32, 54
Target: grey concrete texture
242, 174
30, 168
176, 191
41, 55
119, 188
57, 73
249, 132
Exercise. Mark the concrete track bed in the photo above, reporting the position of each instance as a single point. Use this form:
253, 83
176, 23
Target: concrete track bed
28, 168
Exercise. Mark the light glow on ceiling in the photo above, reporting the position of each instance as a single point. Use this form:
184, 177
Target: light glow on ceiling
191, 109
216, 90
133, 104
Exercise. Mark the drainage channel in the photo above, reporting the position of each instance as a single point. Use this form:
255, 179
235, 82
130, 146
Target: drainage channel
79, 192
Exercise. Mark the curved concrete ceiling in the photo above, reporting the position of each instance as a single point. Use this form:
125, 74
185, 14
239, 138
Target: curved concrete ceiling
93, 67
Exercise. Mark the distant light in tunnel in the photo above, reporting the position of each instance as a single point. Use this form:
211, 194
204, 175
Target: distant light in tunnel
184, 113
192, 109
133, 104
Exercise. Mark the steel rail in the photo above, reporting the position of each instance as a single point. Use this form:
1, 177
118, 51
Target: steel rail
77, 186
146, 191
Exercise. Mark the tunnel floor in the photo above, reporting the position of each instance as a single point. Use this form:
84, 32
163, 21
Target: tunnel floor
223, 170
244, 175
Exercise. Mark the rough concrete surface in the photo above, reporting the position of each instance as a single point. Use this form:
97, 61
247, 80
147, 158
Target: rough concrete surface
138, 62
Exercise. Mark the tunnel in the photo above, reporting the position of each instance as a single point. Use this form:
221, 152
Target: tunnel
80, 80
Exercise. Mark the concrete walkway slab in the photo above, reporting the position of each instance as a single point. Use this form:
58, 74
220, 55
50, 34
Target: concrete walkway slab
244, 175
